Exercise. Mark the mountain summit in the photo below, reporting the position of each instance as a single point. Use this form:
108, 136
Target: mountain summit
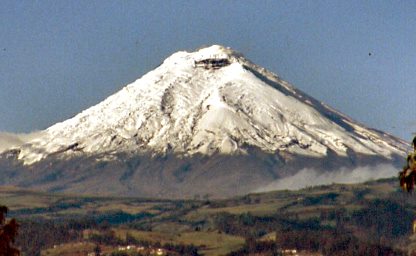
201, 120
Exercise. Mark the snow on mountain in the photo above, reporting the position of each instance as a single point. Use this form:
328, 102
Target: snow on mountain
209, 101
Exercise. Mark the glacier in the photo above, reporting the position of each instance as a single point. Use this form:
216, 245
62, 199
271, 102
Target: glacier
187, 107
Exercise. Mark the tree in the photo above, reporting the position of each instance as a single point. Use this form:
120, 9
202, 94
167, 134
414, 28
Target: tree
97, 250
8, 233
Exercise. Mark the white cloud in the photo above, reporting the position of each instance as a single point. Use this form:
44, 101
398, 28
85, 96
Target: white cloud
309, 177
10, 140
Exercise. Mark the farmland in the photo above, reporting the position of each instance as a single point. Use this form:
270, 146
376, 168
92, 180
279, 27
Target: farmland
369, 217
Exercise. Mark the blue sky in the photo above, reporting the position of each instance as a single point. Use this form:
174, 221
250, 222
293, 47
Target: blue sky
60, 57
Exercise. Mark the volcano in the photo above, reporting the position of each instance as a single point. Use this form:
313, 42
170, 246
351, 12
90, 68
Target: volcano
207, 123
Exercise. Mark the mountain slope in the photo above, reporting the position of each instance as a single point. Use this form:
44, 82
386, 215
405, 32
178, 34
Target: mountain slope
201, 119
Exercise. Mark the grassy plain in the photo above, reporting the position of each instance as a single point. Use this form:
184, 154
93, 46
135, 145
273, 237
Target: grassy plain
215, 227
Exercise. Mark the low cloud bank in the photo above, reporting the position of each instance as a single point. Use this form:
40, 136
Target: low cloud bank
10, 140
309, 177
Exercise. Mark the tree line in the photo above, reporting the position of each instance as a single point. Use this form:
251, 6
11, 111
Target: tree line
8, 233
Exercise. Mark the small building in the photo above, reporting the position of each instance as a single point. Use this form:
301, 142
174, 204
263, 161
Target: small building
414, 227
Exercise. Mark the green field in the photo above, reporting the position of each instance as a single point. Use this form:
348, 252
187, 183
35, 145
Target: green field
212, 227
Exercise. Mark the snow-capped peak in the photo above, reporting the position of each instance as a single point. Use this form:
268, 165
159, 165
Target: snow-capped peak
209, 101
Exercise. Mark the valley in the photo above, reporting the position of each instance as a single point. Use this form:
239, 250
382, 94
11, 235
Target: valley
330, 220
